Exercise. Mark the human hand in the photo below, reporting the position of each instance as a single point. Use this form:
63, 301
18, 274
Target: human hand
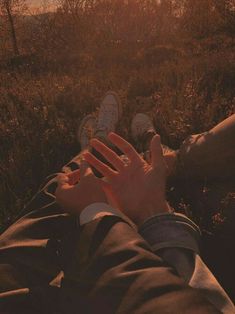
170, 157
137, 187
79, 189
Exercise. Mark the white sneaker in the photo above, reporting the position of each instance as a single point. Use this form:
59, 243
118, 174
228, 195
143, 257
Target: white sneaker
141, 124
109, 115
86, 130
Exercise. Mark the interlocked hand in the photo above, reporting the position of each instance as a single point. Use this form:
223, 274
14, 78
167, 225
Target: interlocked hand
136, 187
79, 189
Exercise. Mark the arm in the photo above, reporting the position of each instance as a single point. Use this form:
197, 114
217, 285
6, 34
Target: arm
111, 267
115, 271
142, 197
210, 154
175, 238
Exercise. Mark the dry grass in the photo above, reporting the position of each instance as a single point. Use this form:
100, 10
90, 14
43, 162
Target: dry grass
40, 111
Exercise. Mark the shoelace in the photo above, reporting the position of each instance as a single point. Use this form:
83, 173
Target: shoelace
107, 121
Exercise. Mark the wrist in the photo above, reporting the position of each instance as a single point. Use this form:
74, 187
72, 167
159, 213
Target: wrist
152, 210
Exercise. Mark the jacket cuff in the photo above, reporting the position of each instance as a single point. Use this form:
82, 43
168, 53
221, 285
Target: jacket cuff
99, 210
171, 230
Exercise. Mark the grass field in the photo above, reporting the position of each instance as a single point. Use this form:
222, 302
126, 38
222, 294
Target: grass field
185, 93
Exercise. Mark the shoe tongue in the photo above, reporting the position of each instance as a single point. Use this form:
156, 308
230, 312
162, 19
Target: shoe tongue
107, 121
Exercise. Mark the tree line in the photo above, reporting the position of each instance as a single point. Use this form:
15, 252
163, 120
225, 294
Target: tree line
81, 25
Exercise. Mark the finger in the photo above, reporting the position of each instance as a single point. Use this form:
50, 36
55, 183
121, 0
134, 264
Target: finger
85, 169
108, 154
73, 177
63, 186
105, 170
62, 179
156, 151
125, 147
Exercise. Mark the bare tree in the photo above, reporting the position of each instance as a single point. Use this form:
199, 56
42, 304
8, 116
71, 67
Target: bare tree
10, 9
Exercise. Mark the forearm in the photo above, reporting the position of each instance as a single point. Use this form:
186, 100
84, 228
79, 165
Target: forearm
115, 270
209, 154
175, 238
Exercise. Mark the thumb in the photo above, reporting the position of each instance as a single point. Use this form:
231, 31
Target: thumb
85, 169
156, 151
73, 177
62, 186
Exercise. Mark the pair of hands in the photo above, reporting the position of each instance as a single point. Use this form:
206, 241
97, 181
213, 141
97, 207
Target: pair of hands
135, 187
